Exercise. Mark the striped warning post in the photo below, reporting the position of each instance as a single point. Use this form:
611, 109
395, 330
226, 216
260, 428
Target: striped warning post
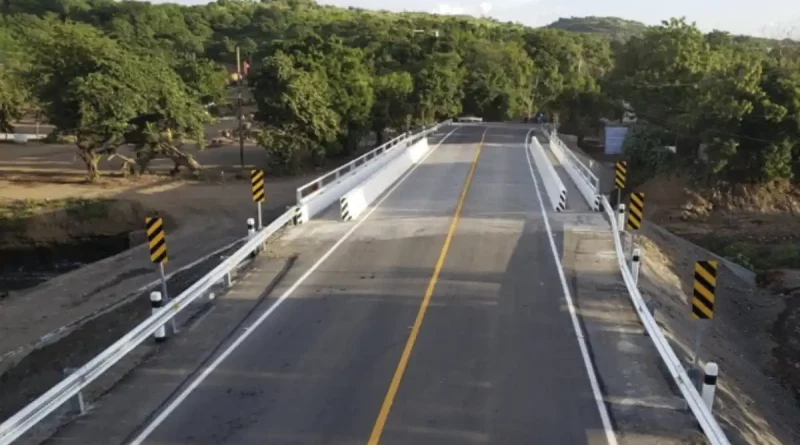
257, 183
635, 211
156, 239
345, 209
705, 284
298, 215
562, 201
621, 174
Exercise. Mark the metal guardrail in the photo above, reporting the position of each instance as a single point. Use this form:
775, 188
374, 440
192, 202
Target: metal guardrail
40, 408
694, 400
47, 403
701, 412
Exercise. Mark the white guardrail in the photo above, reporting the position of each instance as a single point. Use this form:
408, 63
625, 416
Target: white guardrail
317, 195
583, 177
701, 412
47, 403
37, 410
694, 400
21, 138
552, 182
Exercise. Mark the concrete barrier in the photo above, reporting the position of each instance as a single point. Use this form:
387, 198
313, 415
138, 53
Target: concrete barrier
585, 180
353, 204
552, 182
327, 195
316, 196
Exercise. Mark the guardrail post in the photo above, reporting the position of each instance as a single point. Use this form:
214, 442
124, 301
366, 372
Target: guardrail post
156, 303
710, 384
228, 279
621, 217
635, 265
76, 403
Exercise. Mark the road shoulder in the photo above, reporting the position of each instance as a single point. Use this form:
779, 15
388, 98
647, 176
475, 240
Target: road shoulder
645, 408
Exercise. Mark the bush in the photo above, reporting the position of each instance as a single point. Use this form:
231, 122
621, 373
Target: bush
647, 156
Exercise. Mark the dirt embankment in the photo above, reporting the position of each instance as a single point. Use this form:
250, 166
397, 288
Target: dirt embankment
749, 338
28, 223
43, 238
758, 228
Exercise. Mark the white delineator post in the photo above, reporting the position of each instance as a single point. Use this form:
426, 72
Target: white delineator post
636, 265
710, 383
156, 303
251, 230
251, 227
621, 217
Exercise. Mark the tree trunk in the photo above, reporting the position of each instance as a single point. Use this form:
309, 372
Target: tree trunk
90, 159
380, 137
128, 164
181, 158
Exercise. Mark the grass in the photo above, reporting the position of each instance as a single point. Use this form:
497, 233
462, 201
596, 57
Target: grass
756, 257
14, 213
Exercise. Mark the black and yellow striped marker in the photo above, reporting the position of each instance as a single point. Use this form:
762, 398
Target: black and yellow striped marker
156, 239
257, 183
635, 211
705, 284
621, 174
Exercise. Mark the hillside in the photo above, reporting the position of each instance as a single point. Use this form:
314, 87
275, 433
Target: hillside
615, 27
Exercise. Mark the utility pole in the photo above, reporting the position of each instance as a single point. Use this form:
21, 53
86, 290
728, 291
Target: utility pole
241, 107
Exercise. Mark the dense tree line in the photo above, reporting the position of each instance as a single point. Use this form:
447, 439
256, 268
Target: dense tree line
111, 73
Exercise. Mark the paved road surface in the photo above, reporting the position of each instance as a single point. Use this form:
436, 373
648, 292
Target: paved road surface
494, 359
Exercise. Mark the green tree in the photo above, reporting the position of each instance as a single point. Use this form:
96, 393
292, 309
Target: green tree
438, 88
392, 107
296, 109
13, 95
95, 90
88, 90
498, 82
206, 81
173, 116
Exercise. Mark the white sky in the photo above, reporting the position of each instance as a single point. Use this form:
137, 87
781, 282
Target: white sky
768, 18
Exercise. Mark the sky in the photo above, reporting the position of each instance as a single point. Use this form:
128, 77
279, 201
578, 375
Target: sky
766, 18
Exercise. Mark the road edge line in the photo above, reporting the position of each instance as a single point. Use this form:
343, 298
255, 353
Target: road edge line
142, 436
605, 417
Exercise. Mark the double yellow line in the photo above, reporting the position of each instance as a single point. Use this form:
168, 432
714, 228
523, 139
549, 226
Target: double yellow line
388, 400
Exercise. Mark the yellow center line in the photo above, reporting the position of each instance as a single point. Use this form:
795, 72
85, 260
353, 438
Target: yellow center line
380, 423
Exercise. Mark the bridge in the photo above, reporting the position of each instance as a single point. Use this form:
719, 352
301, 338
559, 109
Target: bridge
464, 285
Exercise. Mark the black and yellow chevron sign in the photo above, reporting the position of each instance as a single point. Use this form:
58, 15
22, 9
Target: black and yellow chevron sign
635, 211
156, 239
621, 174
705, 284
257, 183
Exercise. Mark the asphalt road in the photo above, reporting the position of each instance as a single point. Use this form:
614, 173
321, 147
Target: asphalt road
418, 329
